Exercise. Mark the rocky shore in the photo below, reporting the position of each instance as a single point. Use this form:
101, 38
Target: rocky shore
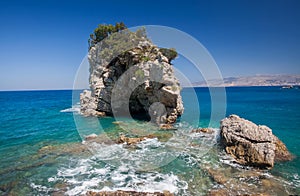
247, 143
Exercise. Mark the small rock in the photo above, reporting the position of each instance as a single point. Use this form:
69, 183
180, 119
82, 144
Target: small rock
117, 122
166, 127
46, 149
203, 130
90, 137
217, 176
218, 192
132, 141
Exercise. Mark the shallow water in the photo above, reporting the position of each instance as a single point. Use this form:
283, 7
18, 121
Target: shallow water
42, 152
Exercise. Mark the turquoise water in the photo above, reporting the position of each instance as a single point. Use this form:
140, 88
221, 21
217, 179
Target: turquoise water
42, 153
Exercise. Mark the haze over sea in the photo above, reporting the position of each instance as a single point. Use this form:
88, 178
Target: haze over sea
41, 150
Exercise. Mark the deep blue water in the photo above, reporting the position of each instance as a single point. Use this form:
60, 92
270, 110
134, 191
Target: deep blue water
30, 120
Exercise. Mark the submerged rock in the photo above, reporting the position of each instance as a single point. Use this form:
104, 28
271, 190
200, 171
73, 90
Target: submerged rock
128, 193
90, 137
135, 73
132, 140
218, 192
251, 144
217, 176
166, 127
242, 181
203, 130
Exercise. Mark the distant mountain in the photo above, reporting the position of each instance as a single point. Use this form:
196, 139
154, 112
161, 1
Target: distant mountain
257, 80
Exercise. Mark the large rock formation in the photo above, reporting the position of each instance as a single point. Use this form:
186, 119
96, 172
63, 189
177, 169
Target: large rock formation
252, 144
132, 75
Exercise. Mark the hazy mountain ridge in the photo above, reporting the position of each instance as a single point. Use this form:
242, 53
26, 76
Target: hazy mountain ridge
257, 80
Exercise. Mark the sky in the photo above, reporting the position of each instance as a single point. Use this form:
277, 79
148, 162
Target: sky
42, 43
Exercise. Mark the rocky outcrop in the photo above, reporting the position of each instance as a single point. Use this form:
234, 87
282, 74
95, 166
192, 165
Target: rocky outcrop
251, 144
203, 130
281, 151
132, 140
139, 77
128, 193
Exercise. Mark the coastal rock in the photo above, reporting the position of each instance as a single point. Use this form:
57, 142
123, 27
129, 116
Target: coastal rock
203, 130
218, 192
128, 193
140, 76
217, 176
167, 127
132, 140
281, 151
251, 144
88, 104
90, 137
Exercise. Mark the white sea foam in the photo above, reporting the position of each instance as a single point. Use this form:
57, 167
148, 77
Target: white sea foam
120, 167
74, 109
296, 180
135, 168
41, 189
123, 169
149, 143
123, 177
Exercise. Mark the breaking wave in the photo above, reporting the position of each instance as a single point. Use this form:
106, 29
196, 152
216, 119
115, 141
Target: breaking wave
74, 109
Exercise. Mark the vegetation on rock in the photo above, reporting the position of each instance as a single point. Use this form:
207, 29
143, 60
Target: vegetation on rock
103, 31
169, 53
117, 39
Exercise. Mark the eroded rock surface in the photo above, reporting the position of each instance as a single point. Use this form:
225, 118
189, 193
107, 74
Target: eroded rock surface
281, 151
203, 130
251, 144
132, 140
140, 78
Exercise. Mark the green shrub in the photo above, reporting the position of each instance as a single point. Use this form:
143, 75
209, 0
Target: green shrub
169, 53
103, 31
145, 58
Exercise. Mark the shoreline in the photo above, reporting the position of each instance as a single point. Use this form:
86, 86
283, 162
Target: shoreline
184, 87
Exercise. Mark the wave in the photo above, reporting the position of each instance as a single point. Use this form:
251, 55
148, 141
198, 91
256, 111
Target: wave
119, 167
41, 189
74, 109
123, 177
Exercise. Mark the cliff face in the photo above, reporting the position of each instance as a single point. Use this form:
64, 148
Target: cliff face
139, 81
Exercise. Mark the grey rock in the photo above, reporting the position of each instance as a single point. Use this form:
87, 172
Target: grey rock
139, 79
250, 144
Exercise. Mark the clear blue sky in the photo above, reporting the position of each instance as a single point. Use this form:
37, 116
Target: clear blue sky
43, 42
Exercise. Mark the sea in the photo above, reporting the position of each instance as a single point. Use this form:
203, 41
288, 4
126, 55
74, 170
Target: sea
44, 148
